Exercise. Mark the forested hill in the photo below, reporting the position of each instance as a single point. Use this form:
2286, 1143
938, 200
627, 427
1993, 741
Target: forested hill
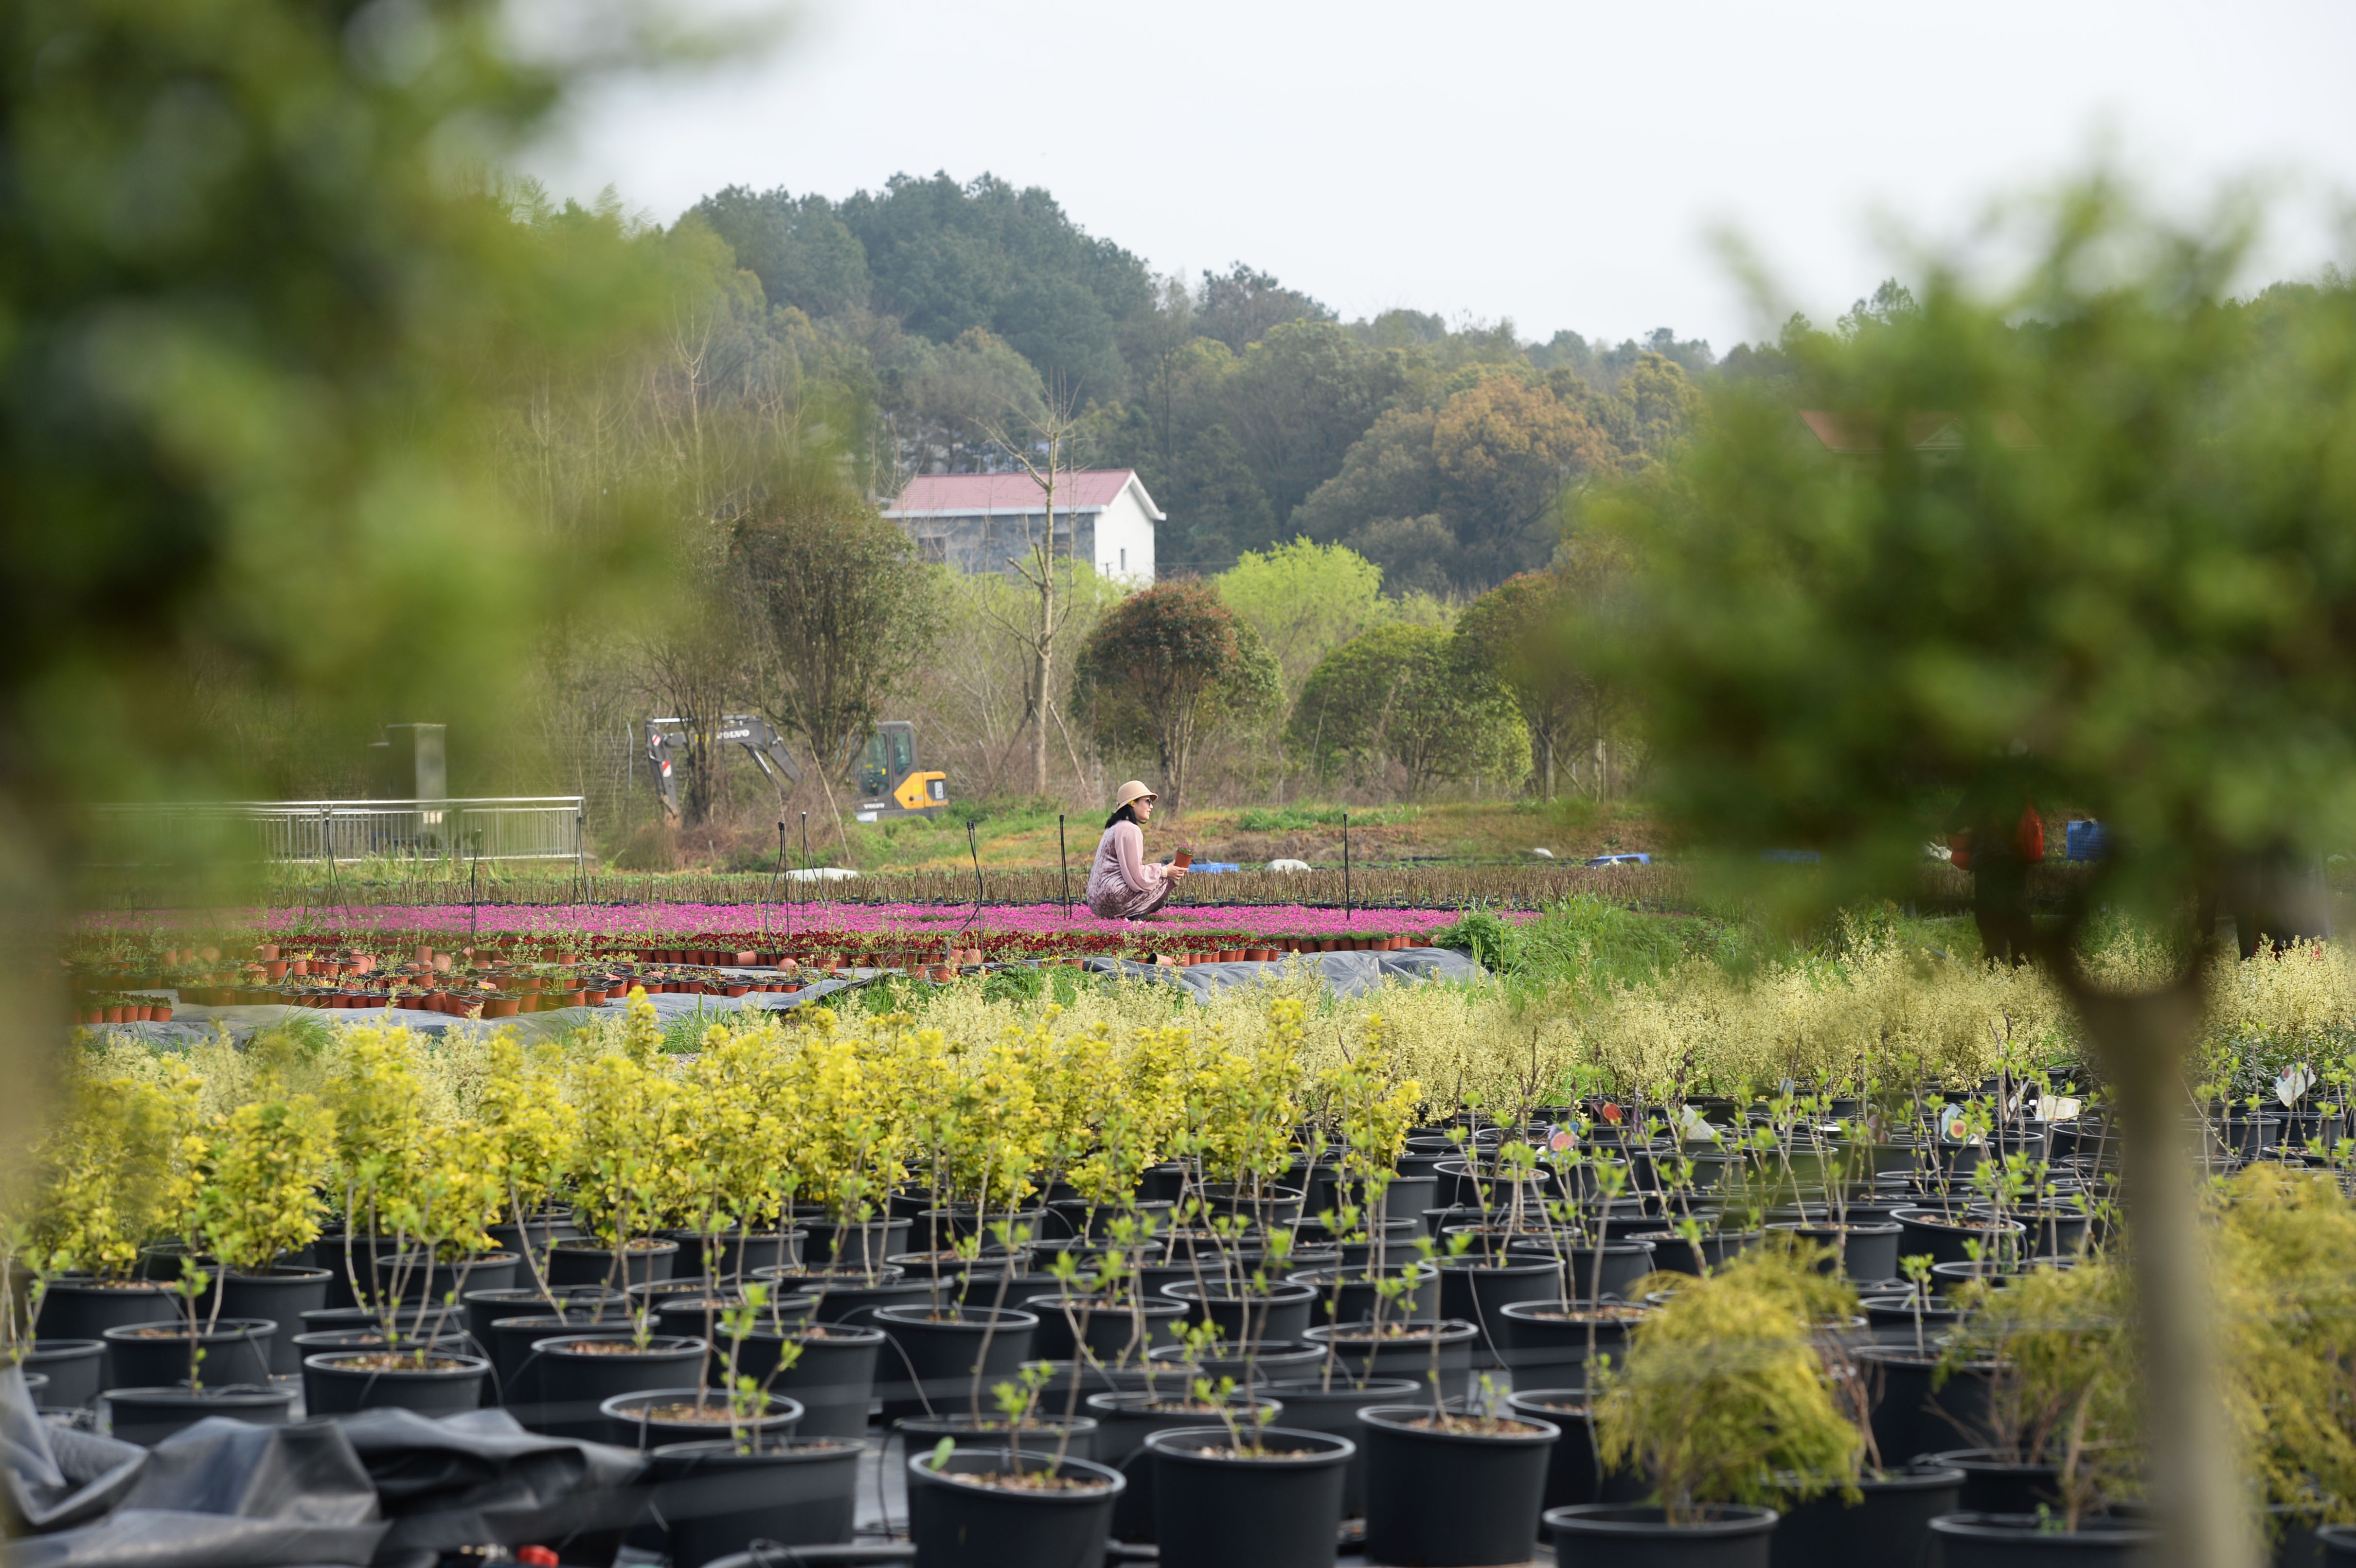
1253, 413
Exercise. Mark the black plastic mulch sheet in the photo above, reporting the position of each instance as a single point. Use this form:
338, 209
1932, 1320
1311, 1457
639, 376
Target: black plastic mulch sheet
388, 1488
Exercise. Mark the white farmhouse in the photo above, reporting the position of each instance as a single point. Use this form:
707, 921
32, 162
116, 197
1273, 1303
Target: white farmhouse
983, 522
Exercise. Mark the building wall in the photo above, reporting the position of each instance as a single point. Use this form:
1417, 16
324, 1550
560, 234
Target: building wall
1124, 540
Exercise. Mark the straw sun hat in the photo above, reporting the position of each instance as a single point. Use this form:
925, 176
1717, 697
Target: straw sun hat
1132, 790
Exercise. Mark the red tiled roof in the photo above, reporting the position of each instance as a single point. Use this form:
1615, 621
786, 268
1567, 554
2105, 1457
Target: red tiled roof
1850, 431
1082, 490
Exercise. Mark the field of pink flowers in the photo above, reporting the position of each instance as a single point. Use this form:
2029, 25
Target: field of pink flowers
916, 920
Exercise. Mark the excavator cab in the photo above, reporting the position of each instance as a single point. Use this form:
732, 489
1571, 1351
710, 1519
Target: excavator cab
892, 782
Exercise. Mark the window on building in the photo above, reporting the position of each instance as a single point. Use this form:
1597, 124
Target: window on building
1124, 560
934, 549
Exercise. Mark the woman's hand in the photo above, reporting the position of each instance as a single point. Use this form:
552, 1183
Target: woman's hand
1174, 873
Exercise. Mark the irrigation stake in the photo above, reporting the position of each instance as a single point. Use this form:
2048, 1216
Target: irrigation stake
775, 872
1064, 855
1345, 871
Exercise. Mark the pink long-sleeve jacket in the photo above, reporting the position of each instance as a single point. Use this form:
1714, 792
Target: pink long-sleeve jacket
1121, 885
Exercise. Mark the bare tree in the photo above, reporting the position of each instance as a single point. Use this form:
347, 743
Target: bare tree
1038, 445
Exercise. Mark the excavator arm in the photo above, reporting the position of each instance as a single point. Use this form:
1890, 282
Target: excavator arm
760, 739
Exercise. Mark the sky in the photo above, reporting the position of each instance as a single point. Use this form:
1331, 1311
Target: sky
1563, 165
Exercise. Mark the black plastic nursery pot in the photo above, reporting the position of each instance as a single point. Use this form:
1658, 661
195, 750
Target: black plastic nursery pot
1348, 1292
1893, 1320
333, 1340
1991, 1485
361, 1266
2028, 1540
157, 1355
1948, 1239
1638, 1535
1891, 1524
853, 1296
281, 1296
704, 1317
833, 1374
942, 1350
1865, 1250
1126, 1419
1544, 1341
734, 1254
1400, 1349
1318, 1404
958, 1519
147, 1416
713, 1501
660, 1417
2336, 1544
74, 1368
513, 1339
485, 1307
1116, 1330
1218, 1508
864, 1245
1710, 1252
345, 1382
1911, 1417
575, 1375
1479, 1293
1279, 1312
86, 1309
1574, 1473
1453, 1490
1608, 1270
1076, 1434
585, 1260
1246, 1364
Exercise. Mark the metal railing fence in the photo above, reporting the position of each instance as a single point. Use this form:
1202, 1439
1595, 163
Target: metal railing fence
546, 827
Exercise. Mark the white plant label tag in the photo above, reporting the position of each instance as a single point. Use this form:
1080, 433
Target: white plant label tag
2293, 1085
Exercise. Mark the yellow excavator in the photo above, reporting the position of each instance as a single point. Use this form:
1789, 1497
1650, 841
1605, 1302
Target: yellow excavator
891, 781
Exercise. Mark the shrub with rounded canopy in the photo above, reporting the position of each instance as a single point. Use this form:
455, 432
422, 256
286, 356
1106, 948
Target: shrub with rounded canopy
1406, 697
1165, 667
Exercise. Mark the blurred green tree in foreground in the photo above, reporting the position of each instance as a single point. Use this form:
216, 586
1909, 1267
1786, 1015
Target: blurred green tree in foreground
261, 310
2103, 523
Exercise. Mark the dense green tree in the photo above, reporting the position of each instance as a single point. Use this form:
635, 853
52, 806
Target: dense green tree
2135, 575
1512, 631
797, 246
1403, 697
1298, 401
1305, 600
1164, 668
1242, 306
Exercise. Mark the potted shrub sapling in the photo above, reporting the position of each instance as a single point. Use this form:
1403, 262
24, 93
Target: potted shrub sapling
2063, 1416
532, 1128
110, 1173
1721, 1401
252, 1196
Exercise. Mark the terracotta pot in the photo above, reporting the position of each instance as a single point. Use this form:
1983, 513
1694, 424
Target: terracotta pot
274, 970
115, 1015
501, 1007
267, 951
1264, 955
941, 972
732, 989
593, 998
1231, 955
160, 1015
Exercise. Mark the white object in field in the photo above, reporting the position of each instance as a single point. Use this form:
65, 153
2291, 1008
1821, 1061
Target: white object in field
2293, 1085
1543, 853
1693, 1127
1288, 865
821, 874
2062, 1108
864, 816
1934, 850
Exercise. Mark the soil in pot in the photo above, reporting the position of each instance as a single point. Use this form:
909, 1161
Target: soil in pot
576, 1374
1453, 1489
714, 1501
1638, 1535
649, 1421
345, 1382
148, 1415
942, 1350
1949, 1239
977, 1511
513, 1340
282, 1295
1274, 1504
1891, 1525
1332, 1406
1400, 1349
585, 1262
236, 1351
1544, 1341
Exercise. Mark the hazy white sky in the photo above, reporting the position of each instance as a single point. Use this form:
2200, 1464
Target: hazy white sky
1564, 165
